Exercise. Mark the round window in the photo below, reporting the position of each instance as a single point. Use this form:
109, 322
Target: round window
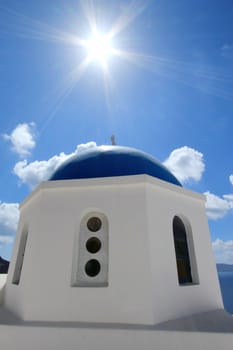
93, 245
92, 268
94, 224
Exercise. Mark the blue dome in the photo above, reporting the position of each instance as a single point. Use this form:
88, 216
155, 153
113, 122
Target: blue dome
107, 161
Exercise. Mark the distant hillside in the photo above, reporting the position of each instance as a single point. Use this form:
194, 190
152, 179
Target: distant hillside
4, 265
224, 268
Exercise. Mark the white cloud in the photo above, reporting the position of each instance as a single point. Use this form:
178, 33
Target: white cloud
9, 215
217, 207
229, 199
223, 251
186, 164
231, 179
84, 146
35, 172
22, 139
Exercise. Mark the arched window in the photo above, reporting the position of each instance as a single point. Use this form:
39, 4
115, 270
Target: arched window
90, 268
182, 251
20, 257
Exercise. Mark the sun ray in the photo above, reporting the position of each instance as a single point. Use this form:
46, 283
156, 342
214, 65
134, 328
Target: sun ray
129, 14
28, 28
99, 49
108, 83
207, 79
90, 13
62, 92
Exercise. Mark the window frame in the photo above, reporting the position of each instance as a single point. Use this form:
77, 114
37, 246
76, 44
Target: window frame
20, 257
188, 257
82, 255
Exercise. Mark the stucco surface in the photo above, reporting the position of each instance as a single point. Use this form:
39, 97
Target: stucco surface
62, 336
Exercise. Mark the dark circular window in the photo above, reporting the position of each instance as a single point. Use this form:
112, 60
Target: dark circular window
93, 245
94, 224
92, 268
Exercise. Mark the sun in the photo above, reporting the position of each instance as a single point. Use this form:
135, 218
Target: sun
99, 48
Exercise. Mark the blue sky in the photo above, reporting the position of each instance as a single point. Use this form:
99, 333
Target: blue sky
166, 88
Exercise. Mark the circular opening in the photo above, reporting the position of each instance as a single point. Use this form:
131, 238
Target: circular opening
92, 268
94, 224
93, 245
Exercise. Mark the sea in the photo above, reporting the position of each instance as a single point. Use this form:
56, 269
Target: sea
226, 284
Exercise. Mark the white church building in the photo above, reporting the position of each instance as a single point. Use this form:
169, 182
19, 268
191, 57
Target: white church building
113, 253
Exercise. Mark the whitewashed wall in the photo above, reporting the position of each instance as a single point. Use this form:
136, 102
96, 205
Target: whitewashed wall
142, 286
